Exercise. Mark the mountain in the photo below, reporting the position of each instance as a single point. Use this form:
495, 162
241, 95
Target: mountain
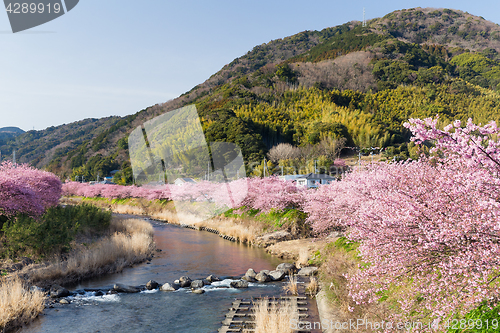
353, 81
9, 132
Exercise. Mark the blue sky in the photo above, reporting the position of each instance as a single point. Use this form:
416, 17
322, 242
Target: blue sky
116, 57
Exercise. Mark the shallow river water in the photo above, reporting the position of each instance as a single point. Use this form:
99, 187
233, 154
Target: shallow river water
184, 252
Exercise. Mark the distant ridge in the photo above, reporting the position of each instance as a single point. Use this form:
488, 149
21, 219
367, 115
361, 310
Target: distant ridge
15, 130
10, 132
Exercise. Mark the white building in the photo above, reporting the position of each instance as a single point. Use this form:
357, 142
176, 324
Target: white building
313, 180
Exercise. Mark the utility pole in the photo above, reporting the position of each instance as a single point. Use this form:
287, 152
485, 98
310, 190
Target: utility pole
359, 161
364, 17
14, 157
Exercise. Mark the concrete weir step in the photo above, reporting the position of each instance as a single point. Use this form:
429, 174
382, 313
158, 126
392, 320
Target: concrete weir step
241, 317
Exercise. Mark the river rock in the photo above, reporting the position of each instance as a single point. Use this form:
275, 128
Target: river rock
198, 291
248, 278
265, 271
152, 285
185, 281
287, 268
121, 288
239, 284
308, 271
98, 293
251, 273
206, 282
170, 287
262, 277
213, 278
277, 275
64, 301
35, 289
56, 291
197, 284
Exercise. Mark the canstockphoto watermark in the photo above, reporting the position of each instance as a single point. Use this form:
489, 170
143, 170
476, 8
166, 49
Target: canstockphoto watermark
26, 14
357, 324
171, 152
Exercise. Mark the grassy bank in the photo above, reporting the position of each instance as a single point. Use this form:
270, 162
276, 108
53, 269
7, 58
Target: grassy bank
244, 225
65, 245
18, 305
129, 241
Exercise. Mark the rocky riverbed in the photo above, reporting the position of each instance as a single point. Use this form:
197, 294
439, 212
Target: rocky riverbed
61, 295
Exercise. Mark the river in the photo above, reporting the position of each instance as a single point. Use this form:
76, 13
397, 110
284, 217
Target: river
184, 252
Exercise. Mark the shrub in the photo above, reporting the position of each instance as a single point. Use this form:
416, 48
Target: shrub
52, 232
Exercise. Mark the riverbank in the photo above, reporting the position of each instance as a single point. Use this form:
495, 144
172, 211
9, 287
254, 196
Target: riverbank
331, 301
260, 230
127, 242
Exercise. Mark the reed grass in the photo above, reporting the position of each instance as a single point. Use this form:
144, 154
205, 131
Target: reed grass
312, 287
131, 242
275, 317
291, 286
303, 259
18, 305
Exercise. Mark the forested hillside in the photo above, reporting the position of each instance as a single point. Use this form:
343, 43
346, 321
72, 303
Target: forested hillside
9, 132
353, 82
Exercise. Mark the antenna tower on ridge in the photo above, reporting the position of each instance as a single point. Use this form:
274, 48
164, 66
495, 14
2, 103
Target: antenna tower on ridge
364, 17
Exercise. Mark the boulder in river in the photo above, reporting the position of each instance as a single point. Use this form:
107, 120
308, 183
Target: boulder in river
170, 287
277, 275
121, 288
248, 278
198, 291
287, 268
262, 277
213, 278
152, 285
239, 284
196, 284
206, 282
64, 301
56, 291
251, 273
185, 281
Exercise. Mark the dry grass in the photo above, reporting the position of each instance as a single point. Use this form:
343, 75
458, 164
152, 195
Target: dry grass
165, 215
131, 226
274, 317
291, 287
312, 287
127, 209
133, 244
18, 305
303, 258
243, 229
195, 214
